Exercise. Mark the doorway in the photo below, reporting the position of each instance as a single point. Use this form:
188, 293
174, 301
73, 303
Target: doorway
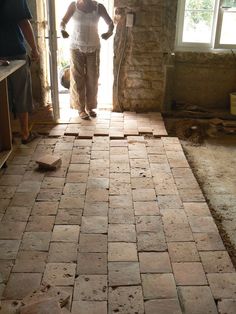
59, 58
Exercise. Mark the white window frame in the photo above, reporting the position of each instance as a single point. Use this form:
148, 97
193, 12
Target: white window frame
215, 34
218, 30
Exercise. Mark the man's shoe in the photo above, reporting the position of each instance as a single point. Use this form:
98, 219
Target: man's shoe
30, 138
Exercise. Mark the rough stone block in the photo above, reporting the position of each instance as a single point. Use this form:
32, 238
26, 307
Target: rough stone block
121, 233
126, 300
21, 284
227, 306
49, 162
164, 306
93, 243
197, 300
183, 252
122, 252
223, 286
92, 263
154, 262
189, 274
123, 273
91, 307
30, 262
91, 288
60, 274
45, 306
158, 286
46, 291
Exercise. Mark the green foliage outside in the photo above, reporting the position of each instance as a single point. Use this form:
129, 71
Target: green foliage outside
64, 63
200, 4
199, 11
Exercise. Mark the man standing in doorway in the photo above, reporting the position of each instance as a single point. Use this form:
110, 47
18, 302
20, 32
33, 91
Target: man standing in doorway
85, 50
15, 28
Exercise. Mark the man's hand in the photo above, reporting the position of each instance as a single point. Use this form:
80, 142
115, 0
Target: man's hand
106, 35
34, 54
64, 33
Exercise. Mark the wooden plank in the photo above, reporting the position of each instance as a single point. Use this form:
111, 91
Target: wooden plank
5, 126
4, 156
14, 65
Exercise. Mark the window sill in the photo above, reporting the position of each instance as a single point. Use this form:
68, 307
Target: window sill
204, 50
206, 57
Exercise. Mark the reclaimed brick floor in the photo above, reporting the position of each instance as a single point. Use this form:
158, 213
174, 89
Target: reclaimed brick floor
122, 225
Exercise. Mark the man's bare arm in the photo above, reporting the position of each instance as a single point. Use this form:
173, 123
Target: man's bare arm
28, 33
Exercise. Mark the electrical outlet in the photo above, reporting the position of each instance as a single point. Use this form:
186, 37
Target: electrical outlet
129, 19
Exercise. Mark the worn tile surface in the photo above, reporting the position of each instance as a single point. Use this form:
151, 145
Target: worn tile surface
122, 224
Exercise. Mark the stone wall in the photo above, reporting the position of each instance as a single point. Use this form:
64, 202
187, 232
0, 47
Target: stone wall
199, 78
139, 78
204, 79
147, 73
37, 68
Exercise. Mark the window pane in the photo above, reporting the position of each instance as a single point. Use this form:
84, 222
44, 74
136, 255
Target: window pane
197, 26
229, 3
200, 4
228, 35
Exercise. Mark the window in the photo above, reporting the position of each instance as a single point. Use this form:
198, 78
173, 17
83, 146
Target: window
208, 24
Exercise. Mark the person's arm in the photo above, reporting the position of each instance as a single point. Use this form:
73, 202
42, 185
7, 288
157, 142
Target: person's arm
70, 11
103, 13
28, 33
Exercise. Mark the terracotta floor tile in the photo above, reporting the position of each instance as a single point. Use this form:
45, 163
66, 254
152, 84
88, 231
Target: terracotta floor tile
121, 225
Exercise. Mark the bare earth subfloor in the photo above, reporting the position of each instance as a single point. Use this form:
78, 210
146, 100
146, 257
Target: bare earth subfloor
213, 163
122, 226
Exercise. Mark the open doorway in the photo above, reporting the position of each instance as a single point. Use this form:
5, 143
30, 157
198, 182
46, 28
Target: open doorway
63, 59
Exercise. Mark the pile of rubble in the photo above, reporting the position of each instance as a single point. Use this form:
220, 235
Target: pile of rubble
188, 130
197, 130
225, 126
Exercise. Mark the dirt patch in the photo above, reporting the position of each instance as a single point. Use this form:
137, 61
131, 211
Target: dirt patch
197, 130
211, 154
194, 131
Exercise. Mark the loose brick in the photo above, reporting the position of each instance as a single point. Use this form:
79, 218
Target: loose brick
49, 162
